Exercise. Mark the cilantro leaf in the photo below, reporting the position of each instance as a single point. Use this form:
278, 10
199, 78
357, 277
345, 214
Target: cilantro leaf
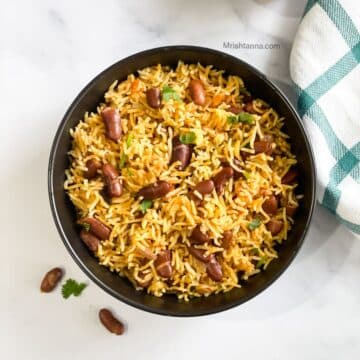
72, 287
188, 138
144, 205
243, 117
169, 93
123, 159
86, 226
261, 262
129, 140
254, 223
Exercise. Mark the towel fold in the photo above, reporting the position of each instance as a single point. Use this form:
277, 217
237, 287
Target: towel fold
324, 65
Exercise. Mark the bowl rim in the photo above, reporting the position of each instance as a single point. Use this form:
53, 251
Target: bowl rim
57, 218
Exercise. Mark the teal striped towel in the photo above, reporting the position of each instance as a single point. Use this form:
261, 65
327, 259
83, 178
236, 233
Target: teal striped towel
324, 65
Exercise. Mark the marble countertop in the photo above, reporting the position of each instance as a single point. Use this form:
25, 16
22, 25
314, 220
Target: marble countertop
48, 51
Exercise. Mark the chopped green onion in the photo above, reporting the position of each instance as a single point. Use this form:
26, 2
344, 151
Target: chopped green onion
169, 93
254, 223
123, 159
243, 117
188, 138
86, 226
129, 139
144, 205
261, 262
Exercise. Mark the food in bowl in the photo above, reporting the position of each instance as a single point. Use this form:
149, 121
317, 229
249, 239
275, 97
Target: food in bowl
182, 181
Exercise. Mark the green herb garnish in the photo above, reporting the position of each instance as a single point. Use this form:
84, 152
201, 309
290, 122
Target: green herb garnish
247, 175
123, 159
129, 140
243, 117
169, 93
144, 205
130, 173
72, 287
188, 138
261, 262
86, 226
254, 223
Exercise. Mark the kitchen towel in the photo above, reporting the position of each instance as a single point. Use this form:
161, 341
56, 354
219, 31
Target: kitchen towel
324, 65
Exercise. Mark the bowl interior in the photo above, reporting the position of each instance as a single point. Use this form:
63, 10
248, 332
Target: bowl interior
64, 213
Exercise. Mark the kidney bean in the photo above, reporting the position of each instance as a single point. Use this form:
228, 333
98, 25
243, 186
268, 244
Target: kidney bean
205, 187
245, 154
263, 146
200, 254
227, 239
90, 240
246, 98
237, 174
92, 165
235, 109
112, 122
146, 253
198, 237
153, 98
222, 177
51, 279
143, 282
113, 183
163, 264
249, 108
197, 92
96, 227
110, 322
213, 269
291, 209
155, 190
290, 176
270, 205
275, 226
181, 152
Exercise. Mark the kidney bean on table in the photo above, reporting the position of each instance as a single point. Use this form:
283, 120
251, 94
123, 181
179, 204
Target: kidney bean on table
197, 92
270, 205
92, 165
155, 190
51, 279
153, 97
181, 152
113, 183
96, 227
112, 122
222, 177
110, 322
198, 237
163, 264
90, 240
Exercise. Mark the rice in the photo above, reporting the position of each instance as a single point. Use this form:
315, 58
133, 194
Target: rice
146, 146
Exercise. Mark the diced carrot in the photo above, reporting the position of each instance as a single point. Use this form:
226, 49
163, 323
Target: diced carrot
135, 86
217, 100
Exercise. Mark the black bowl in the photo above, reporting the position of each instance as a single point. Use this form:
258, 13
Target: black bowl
64, 213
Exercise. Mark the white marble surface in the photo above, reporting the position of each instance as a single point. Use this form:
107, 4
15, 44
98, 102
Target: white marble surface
48, 51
